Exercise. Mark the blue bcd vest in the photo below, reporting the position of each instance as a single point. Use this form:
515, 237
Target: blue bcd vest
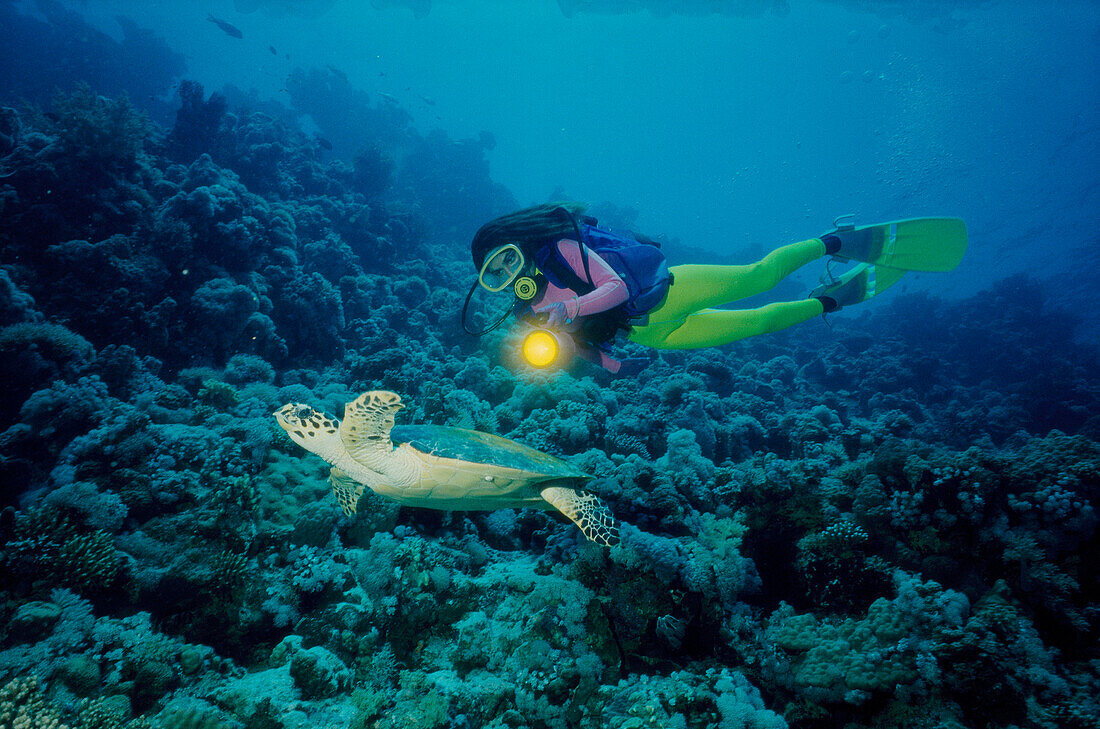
642, 266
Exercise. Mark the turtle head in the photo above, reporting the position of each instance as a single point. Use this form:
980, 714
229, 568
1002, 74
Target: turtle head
309, 428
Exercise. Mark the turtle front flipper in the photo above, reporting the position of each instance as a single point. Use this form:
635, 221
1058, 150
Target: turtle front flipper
586, 511
368, 420
346, 490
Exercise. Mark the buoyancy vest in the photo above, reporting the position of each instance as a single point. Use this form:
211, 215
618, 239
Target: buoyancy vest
641, 265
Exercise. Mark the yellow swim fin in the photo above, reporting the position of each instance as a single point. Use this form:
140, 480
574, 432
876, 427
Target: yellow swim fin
915, 244
861, 282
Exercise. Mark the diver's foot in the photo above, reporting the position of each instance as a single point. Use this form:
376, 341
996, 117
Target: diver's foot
855, 245
851, 288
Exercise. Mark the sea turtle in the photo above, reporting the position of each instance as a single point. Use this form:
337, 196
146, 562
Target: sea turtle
438, 467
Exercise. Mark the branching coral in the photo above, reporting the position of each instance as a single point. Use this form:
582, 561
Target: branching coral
894, 646
722, 698
22, 706
99, 134
838, 572
48, 546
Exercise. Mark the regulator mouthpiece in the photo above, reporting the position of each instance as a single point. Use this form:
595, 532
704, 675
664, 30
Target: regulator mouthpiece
543, 348
525, 288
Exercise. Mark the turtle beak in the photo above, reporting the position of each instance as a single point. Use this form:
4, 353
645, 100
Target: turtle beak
285, 415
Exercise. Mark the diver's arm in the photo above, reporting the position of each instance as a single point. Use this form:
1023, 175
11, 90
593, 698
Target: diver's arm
610, 289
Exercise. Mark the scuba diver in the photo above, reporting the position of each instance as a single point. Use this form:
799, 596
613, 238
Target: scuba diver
579, 284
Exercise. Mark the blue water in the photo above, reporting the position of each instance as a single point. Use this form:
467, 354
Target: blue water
884, 519
732, 133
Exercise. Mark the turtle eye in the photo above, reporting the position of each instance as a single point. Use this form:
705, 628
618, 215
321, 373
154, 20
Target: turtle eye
303, 411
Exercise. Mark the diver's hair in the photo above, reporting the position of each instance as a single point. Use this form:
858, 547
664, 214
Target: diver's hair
529, 228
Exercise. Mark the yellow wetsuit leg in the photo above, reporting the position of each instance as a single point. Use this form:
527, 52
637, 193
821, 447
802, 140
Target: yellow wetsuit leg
684, 320
715, 327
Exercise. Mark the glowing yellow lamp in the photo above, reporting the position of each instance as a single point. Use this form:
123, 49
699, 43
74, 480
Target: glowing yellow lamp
541, 348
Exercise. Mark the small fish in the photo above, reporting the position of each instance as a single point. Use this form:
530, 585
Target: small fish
426, 100
273, 51
229, 29
325, 144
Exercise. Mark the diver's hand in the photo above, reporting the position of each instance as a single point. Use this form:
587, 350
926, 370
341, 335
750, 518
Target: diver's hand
556, 314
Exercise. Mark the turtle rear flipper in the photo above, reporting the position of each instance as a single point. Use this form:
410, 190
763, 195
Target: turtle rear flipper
586, 511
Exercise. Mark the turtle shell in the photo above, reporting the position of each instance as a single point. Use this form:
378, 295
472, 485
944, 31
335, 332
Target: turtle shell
473, 446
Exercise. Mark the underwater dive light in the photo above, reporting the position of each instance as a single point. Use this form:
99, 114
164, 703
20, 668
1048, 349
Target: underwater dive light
543, 348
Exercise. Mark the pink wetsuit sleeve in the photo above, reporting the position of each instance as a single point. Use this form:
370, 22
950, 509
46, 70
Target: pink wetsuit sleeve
610, 290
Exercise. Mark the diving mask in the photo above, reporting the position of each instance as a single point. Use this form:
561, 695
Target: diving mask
502, 266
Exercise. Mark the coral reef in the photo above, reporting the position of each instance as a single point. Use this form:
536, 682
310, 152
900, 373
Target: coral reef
892, 528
